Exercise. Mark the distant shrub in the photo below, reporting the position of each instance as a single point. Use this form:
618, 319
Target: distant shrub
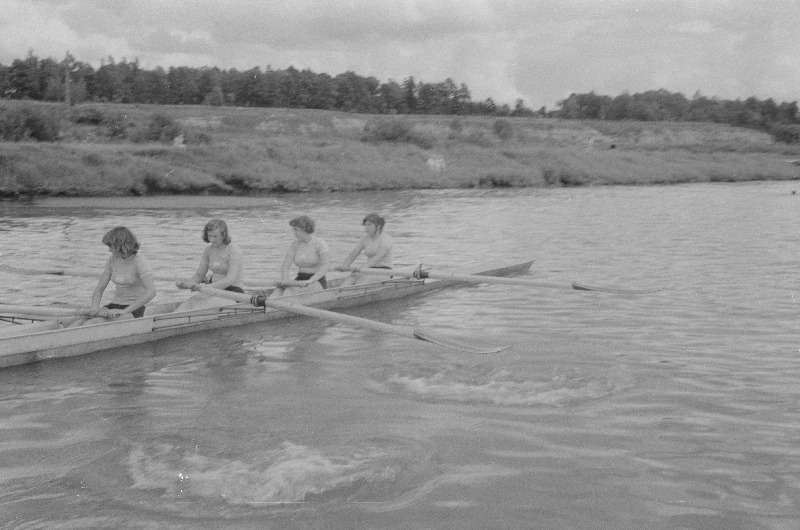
198, 138
788, 134
397, 131
388, 131
29, 123
493, 180
116, 126
503, 129
87, 115
162, 128
549, 176
477, 136
455, 129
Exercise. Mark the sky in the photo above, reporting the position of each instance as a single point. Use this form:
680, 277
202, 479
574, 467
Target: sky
537, 50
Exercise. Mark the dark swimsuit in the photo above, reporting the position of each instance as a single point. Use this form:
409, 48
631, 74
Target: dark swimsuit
303, 276
139, 313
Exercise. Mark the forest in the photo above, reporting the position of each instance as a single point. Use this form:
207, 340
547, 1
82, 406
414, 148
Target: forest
73, 81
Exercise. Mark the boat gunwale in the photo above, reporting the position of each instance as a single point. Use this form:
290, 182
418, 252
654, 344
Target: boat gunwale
383, 290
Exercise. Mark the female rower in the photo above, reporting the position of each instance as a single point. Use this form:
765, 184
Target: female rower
224, 259
130, 273
312, 257
376, 245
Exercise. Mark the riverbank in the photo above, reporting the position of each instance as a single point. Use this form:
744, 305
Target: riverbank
105, 150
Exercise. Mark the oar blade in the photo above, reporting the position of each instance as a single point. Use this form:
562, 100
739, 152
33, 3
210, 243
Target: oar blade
453, 344
30, 272
36, 310
614, 290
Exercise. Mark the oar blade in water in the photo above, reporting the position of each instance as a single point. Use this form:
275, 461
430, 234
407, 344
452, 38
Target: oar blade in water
453, 344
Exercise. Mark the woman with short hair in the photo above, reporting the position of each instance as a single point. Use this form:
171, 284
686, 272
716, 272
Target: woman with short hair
376, 246
311, 256
223, 259
130, 273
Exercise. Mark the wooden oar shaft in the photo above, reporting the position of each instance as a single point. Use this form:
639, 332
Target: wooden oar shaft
341, 318
476, 278
37, 310
467, 278
82, 273
313, 312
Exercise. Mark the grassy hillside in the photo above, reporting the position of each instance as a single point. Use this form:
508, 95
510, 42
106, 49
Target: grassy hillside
123, 150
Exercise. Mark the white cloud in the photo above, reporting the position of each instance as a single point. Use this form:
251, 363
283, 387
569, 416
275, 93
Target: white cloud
540, 50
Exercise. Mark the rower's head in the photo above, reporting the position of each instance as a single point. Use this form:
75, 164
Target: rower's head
304, 223
122, 240
375, 219
217, 224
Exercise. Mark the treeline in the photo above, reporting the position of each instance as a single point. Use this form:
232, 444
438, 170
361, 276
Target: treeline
780, 119
127, 82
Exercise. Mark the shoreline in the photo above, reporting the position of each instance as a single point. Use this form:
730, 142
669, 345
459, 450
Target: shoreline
188, 202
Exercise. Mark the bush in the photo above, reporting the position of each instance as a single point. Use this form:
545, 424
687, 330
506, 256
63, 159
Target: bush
198, 138
397, 131
388, 131
503, 129
115, 125
29, 123
477, 136
788, 134
162, 128
88, 116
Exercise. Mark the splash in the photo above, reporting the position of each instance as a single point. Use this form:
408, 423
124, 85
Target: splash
290, 473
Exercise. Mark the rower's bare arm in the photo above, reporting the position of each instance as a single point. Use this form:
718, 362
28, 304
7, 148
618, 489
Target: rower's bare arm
353, 254
102, 283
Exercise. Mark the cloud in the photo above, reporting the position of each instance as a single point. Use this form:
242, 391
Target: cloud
539, 50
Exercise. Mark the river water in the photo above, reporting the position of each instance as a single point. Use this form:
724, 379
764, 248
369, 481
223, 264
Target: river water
677, 409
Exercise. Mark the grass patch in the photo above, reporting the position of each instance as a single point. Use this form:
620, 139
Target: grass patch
110, 149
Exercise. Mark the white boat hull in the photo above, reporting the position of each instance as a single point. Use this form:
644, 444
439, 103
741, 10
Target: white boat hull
49, 340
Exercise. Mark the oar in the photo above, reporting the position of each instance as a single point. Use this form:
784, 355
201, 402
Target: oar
340, 318
37, 310
58, 271
475, 278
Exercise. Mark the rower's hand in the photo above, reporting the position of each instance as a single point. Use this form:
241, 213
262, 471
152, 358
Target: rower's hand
92, 312
115, 314
195, 287
182, 284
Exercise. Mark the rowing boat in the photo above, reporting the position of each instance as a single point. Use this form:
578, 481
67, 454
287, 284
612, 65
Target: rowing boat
52, 338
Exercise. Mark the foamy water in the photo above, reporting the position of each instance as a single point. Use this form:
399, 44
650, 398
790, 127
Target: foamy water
676, 409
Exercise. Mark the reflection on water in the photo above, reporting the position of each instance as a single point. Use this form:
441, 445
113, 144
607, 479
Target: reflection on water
676, 409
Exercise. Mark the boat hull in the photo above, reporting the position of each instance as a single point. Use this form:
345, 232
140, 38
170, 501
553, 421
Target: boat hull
61, 340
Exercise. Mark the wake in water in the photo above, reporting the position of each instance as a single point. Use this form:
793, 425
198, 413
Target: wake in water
483, 384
